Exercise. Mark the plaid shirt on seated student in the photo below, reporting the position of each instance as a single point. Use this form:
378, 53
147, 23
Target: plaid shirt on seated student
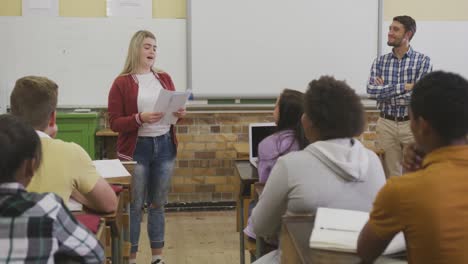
35, 228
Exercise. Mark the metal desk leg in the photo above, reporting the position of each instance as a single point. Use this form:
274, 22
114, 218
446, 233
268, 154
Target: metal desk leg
241, 231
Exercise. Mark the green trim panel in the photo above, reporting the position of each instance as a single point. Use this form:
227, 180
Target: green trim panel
79, 128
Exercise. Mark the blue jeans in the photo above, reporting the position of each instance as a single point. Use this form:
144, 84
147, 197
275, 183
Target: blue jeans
155, 158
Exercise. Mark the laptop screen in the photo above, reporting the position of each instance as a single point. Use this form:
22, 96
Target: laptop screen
257, 132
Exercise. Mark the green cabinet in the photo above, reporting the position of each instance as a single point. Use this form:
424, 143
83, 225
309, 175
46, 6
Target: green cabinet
79, 128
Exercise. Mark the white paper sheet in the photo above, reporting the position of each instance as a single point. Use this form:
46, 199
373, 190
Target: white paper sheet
110, 168
170, 102
74, 206
338, 230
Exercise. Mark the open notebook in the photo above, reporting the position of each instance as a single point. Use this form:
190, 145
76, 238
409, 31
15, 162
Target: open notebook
111, 168
338, 230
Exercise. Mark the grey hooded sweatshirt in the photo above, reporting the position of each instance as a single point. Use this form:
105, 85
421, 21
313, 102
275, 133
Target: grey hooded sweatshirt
338, 173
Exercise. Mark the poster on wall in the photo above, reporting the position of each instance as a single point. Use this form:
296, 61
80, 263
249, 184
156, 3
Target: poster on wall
40, 8
130, 8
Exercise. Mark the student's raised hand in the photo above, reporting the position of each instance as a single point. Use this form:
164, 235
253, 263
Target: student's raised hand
151, 117
180, 113
412, 158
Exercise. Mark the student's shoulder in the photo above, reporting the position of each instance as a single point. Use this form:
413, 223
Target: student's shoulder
62, 148
405, 183
274, 144
60, 144
269, 140
297, 159
162, 74
123, 80
123, 77
43, 204
373, 158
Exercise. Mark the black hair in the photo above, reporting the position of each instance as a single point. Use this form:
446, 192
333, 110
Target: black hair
334, 108
291, 108
441, 98
19, 142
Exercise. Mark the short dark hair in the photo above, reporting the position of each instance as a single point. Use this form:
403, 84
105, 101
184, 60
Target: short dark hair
334, 108
34, 99
19, 142
408, 23
291, 108
441, 98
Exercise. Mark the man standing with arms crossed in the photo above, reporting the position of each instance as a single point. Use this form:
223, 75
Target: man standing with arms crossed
391, 82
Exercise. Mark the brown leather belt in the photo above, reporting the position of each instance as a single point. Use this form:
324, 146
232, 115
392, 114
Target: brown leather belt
394, 118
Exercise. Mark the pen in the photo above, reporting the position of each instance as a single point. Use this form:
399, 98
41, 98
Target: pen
338, 229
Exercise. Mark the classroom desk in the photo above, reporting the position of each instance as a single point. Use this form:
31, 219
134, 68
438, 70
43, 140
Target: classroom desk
107, 139
113, 222
100, 234
125, 197
247, 175
294, 244
242, 150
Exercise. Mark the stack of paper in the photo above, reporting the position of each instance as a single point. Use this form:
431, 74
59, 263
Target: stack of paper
338, 230
111, 168
170, 102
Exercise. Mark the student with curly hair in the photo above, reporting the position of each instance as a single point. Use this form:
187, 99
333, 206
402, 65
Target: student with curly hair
334, 170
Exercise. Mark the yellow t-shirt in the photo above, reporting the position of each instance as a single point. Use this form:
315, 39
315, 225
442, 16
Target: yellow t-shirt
65, 166
430, 206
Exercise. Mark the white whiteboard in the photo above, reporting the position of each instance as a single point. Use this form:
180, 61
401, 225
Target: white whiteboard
84, 55
445, 42
246, 48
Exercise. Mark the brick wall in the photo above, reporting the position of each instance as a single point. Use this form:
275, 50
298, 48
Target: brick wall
204, 169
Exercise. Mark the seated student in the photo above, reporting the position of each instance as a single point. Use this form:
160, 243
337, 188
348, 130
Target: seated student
429, 205
35, 228
288, 137
334, 171
66, 167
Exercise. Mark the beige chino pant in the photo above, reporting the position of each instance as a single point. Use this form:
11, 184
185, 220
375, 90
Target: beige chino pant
392, 136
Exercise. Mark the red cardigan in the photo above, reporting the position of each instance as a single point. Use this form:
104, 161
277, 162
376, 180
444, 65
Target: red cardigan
123, 111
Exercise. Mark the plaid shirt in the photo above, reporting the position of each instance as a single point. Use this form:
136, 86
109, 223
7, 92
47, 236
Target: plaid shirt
392, 98
38, 228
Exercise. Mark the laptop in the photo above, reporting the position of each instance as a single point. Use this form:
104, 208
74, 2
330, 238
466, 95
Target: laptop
257, 132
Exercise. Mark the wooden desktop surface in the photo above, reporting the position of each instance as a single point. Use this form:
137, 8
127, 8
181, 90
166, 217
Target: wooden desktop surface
246, 171
294, 242
242, 149
106, 132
